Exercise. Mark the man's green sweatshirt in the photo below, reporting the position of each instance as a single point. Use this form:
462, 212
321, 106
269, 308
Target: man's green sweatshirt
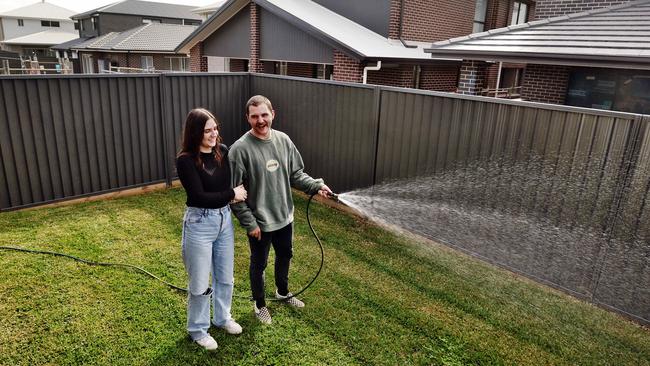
268, 169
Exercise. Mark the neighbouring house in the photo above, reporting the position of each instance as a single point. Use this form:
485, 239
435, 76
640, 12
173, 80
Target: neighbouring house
599, 58
373, 41
206, 11
30, 30
131, 36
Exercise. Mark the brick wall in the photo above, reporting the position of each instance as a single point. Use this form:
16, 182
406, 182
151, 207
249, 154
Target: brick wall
160, 61
545, 83
553, 8
347, 68
429, 21
532, 10
254, 64
198, 62
300, 69
401, 76
439, 77
498, 14
472, 78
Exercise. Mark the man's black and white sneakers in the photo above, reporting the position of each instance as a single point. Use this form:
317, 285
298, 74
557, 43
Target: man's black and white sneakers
262, 314
290, 300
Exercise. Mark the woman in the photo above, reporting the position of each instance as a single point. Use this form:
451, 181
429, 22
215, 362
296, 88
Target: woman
208, 238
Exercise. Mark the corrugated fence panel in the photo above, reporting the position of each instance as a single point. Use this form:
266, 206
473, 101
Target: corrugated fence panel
625, 275
332, 125
222, 94
65, 137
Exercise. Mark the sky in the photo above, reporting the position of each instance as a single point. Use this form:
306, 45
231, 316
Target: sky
85, 5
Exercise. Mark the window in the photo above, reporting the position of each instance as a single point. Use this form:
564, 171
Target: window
519, 13
281, 68
87, 63
323, 71
511, 79
21, 23
621, 90
76, 25
49, 23
94, 21
479, 16
147, 63
147, 21
179, 63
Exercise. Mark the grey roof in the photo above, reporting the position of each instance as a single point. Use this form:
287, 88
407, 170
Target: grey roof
152, 37
617, 36
40, 10
46, 38
70, 44
146, 8
330, 27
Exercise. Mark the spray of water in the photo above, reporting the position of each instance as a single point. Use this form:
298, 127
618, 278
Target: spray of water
555, 222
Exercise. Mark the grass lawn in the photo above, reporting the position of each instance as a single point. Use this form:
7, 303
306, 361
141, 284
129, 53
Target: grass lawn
382, 299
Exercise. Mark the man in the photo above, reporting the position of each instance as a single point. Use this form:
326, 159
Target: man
268, 164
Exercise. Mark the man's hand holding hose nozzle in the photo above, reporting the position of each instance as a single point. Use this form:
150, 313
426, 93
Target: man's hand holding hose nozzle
326, 192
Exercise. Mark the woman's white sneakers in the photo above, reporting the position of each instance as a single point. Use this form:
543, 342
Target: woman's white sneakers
231, 327
208, 343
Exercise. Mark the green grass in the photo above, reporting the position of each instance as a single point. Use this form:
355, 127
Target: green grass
382, 299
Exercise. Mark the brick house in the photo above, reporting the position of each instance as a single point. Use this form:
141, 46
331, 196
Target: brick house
373, 41
131, 35
597, 58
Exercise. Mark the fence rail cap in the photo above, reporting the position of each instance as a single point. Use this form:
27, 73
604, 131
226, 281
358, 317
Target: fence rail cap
518, 103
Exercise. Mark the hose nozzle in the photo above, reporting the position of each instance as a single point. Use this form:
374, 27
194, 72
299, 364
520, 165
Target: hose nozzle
333, 196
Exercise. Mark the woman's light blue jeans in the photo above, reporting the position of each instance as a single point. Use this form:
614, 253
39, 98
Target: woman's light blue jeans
208, 247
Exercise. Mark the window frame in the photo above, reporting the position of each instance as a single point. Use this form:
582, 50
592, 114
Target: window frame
479, 23
518, 4
144, 63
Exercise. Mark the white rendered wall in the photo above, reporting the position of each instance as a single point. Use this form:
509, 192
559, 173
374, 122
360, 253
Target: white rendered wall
12, 30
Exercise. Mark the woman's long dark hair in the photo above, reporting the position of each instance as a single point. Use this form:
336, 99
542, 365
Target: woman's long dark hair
193, 135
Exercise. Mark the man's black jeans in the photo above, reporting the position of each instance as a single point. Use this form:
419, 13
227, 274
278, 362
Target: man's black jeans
281, 241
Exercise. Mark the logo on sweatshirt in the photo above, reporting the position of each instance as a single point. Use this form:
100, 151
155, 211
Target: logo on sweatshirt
272, 165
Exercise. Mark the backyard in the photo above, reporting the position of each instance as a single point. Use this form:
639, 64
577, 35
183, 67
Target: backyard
381, 298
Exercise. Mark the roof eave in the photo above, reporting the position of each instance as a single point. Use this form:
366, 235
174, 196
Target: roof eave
123, 51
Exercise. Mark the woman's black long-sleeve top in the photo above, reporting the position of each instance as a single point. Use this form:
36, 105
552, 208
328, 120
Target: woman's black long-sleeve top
207, 186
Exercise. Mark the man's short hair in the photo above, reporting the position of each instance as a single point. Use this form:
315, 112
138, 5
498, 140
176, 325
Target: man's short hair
257, 100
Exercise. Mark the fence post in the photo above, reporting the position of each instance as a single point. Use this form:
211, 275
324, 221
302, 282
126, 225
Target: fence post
166, 133
377, 117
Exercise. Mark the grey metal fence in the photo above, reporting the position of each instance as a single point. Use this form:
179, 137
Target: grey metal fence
63, 137
222, 94
585, 171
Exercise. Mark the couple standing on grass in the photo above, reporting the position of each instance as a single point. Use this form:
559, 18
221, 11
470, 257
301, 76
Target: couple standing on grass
262, 166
